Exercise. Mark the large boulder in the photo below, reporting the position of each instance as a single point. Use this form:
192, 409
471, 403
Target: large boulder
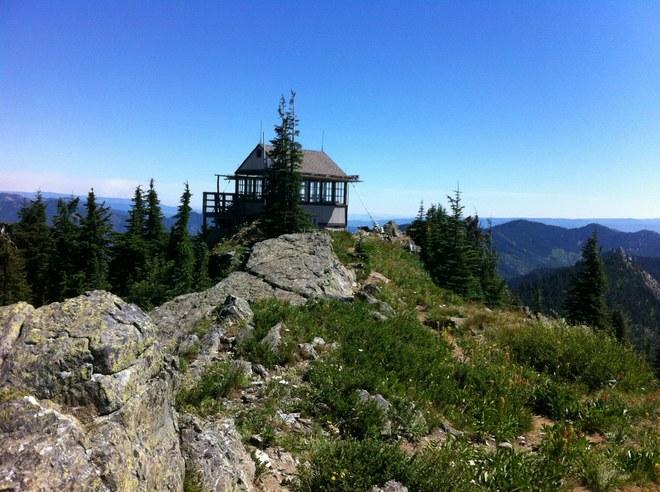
98, 359
302, 263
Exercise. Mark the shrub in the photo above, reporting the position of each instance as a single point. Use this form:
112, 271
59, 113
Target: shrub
577, 354
351, 465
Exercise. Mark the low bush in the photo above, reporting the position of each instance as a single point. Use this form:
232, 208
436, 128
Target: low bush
577, 354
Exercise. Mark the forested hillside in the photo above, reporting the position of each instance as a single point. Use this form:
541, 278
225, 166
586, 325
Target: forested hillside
631, 290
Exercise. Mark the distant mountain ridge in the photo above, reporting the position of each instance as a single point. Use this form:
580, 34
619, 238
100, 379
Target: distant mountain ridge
11, 203
524, 246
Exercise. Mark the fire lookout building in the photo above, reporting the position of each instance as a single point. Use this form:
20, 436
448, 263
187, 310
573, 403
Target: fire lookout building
323, 195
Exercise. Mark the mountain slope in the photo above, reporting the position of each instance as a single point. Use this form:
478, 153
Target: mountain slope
524, 246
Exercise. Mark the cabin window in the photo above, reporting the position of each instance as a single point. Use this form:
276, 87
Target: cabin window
314, 191
304, 191
241, 187
339, 193
327, 192
324, 192
258, 188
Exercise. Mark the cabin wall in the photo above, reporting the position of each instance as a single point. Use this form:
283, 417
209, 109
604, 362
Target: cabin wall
327, 215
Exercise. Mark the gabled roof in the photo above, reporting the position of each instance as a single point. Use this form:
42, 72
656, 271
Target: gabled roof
315, 163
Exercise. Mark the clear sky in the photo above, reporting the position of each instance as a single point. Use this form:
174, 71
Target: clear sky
537, 109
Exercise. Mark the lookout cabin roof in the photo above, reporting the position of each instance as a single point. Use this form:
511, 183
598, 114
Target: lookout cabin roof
316, 163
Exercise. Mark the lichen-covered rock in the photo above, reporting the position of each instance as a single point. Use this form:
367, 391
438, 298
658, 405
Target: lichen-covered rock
215, 454
177, 318
44, 449
97, 357
92, 349
302, 263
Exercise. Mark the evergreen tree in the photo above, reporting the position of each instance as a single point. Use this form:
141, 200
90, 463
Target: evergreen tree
283, 213
585, 302
180, 250
154, 230
619, 325
460, 258
95, 241
201, 279
32, 236
65, 276
130, 249
13, 282
417, 229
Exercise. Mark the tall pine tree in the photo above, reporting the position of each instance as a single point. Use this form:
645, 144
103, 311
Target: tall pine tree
283, 213
130, 254
13, 282
95, 241
180, 250
154, 230
32, 236
585, 302
65, 276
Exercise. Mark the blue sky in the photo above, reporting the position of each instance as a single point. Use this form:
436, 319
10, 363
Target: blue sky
537, 109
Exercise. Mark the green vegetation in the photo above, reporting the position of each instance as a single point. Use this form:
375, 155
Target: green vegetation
41, 263
596, 397
218, 381
458, 253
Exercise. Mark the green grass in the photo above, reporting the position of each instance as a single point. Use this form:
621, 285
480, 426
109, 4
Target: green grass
586, 382
217, 382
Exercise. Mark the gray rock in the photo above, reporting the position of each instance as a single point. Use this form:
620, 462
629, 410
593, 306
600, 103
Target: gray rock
273, 338
215, 454
245, 333
449, 429
177, 318
378, 316
318, 342
307, 351
391, 486
44, 449
392, 229
304, 264
260, 370
505, 445
96, 357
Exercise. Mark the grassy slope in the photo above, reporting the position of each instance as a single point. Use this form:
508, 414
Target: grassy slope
492, 378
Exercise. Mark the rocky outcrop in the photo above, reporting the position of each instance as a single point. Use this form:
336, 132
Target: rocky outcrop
97, 357
177, 318
87, 398
304, 264
215, 455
